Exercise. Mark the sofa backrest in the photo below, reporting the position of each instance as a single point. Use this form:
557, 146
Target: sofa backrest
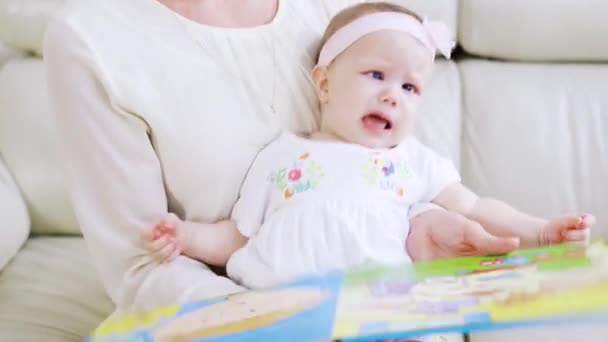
28, 145
521, 111
534, 78
540, 30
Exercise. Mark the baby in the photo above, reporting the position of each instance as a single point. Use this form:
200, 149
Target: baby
343, 196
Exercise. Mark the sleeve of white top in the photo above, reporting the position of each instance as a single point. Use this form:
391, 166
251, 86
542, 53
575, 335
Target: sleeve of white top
422, 207
436, 171
116, 183
249, 211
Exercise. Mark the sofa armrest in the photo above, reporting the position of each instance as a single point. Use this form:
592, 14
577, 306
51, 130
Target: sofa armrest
7, 53
23, 22
14, 218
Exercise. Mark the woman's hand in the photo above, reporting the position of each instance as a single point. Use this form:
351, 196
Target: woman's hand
567, 228
441, 234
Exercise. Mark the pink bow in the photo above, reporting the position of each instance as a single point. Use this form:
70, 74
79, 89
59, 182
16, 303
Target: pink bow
440, 36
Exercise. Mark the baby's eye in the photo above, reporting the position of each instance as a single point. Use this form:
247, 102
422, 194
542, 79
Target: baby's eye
377, 75
410, 88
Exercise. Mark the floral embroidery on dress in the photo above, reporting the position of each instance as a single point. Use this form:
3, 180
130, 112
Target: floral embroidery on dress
386, 173
302, 176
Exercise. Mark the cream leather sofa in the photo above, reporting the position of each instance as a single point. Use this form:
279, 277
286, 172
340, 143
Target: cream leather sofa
523, 111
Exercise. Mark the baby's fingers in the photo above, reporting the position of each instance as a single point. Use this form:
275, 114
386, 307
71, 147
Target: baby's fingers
567, 222
587, 221
158, 244
149, 233
576, 235
176, 252
169, 222
165, 252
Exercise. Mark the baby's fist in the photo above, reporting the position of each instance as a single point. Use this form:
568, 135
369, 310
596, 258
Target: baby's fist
163, 240
567, 228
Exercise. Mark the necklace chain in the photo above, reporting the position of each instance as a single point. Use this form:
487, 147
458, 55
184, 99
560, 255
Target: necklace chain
222, 65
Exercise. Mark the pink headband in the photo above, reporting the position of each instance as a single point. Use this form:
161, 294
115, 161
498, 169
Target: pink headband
434, 35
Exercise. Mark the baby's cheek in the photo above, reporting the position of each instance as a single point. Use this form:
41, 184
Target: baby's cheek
409, 123
405, 130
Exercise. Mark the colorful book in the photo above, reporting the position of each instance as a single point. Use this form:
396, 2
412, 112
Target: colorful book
551, 285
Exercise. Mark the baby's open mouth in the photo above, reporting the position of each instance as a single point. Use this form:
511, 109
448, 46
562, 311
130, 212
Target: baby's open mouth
377, 122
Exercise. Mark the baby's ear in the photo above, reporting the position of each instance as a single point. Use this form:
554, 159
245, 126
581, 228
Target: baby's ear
319, 78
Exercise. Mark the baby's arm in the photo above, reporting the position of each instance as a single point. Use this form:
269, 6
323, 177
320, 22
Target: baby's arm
214, 243
211, 243
501, 219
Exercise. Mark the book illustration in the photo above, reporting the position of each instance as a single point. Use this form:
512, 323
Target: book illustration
561, 283
239, 313
449, 300
499, 289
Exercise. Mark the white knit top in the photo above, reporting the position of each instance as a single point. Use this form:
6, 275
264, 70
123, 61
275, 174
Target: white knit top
158, 113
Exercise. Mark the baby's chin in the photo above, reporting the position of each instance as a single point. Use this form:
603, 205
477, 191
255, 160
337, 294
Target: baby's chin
387, 141
362, 138
381, 140
379, 143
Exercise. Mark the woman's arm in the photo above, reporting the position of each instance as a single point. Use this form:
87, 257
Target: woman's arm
115, 181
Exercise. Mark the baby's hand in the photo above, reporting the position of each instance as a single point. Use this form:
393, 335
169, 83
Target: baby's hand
163, 239
568, 228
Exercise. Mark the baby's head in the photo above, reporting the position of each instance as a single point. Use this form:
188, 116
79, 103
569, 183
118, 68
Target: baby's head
374, 63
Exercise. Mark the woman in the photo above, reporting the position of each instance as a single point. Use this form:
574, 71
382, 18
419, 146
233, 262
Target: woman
162, 105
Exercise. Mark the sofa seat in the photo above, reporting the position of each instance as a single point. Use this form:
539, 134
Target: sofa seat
50, 292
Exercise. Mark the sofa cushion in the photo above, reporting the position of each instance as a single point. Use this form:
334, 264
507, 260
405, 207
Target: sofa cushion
22, 22
440, 116
29, 146
7, 53
535, 136
50, 292
444, 10
14, 217
549, 30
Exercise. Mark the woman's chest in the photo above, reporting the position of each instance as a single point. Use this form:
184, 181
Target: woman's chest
211, 104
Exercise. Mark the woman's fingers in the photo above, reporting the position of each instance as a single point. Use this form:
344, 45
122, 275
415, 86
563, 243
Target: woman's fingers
486, 243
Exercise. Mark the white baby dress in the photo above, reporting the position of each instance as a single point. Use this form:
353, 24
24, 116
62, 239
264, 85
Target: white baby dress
311, 207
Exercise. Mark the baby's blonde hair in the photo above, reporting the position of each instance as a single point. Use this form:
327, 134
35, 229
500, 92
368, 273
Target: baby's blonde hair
349, 14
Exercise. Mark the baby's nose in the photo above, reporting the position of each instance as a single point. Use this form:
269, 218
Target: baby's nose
389, 98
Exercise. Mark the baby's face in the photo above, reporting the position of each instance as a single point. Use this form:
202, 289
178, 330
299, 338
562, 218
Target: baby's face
373, 89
